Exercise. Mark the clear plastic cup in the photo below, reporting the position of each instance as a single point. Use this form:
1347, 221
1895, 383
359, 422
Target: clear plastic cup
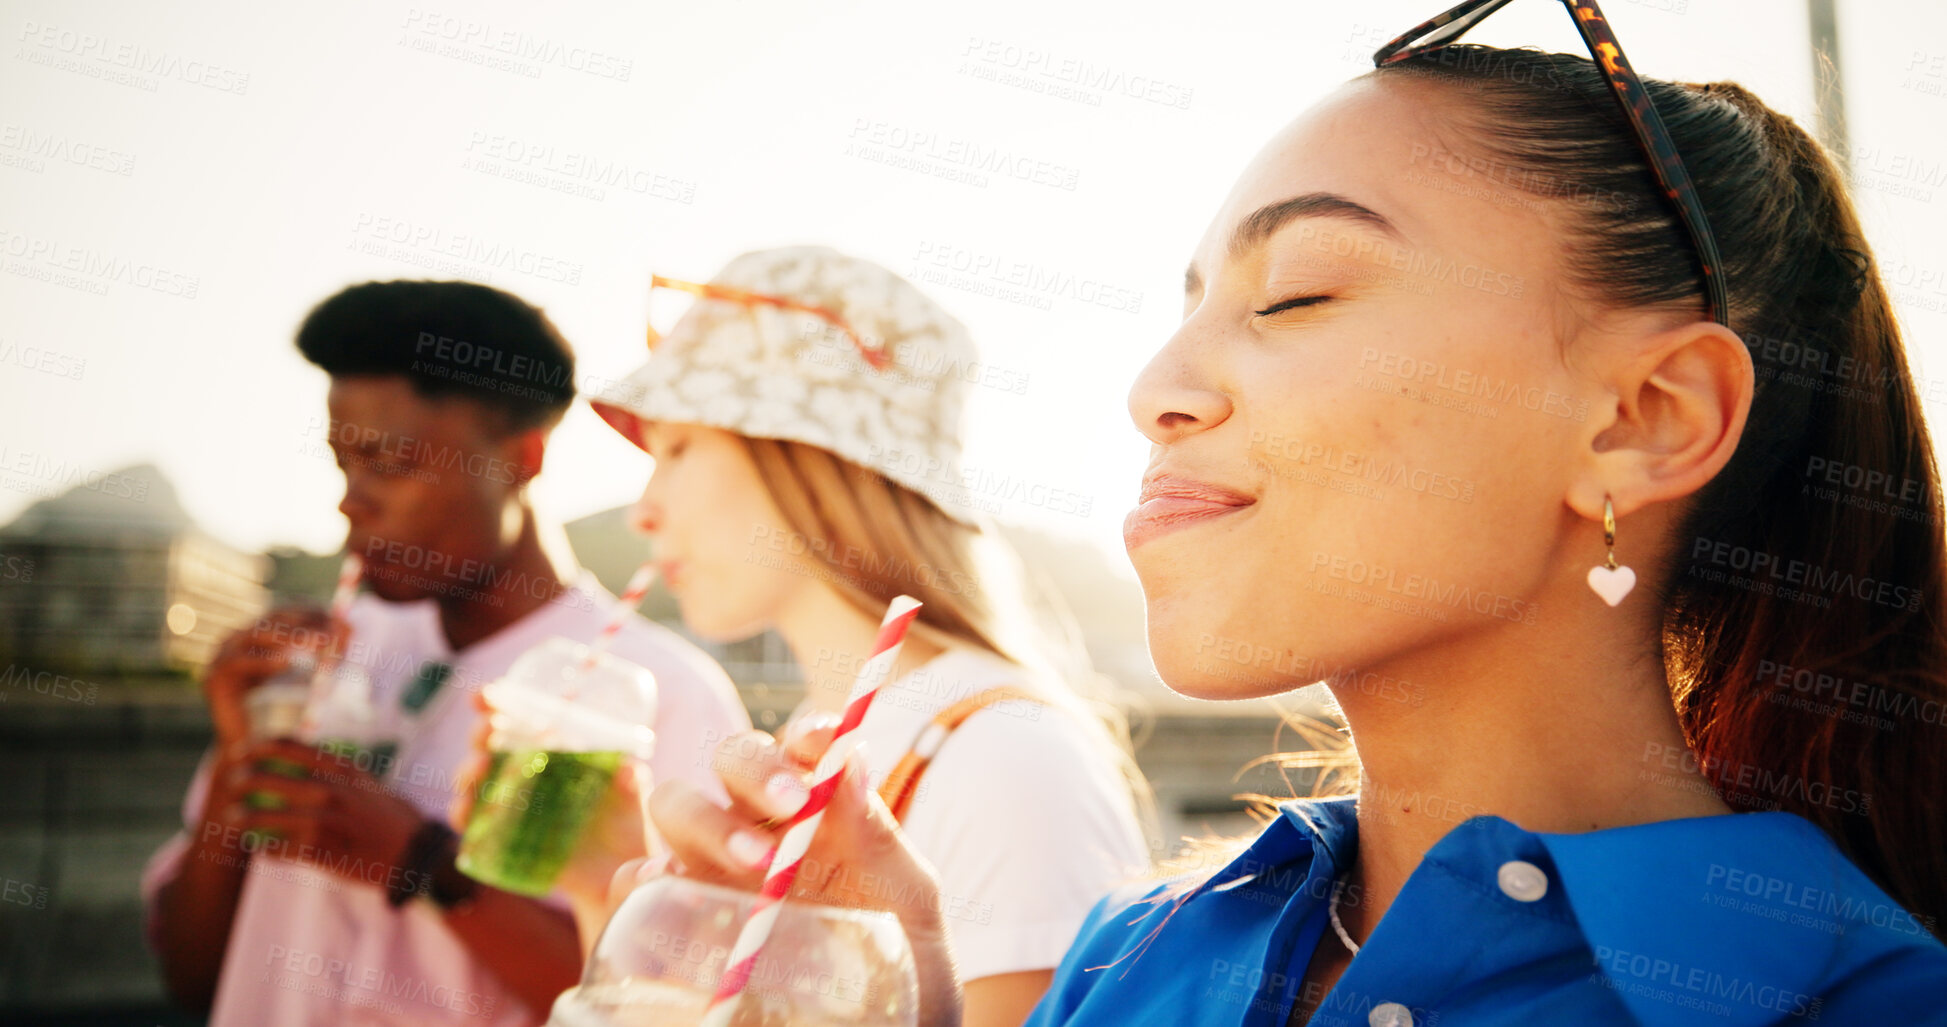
275, 709
659, 960
344, 723
565, 719
278, 708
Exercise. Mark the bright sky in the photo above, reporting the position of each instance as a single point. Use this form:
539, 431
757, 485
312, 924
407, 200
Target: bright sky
193, 176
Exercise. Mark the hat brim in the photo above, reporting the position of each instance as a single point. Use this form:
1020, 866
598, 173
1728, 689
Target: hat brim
626, 422
630, 425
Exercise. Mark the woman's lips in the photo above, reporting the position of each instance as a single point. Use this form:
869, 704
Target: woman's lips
1169, 503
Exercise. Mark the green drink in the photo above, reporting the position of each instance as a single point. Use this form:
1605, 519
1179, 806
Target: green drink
275, 709
529, 815
564, 719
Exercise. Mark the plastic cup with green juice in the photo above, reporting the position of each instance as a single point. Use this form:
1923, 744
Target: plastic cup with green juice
327, 702
276, 709
566, 718
343, 722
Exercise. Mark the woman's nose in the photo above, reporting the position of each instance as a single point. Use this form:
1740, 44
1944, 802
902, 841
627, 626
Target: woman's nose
646, 515
1174, 396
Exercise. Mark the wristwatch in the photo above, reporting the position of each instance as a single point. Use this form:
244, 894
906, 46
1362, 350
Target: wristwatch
427, 868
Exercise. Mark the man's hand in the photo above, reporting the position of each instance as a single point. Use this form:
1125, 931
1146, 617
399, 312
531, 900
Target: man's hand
352, 825
358, 831
252, 655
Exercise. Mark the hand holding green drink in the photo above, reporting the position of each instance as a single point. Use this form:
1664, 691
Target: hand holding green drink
566, 717
285, 706
563, 723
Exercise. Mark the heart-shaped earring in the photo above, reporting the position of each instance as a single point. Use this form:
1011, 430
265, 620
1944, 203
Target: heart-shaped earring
1609, 581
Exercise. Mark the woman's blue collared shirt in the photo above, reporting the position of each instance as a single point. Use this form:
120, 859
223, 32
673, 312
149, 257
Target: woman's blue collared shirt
1751, 918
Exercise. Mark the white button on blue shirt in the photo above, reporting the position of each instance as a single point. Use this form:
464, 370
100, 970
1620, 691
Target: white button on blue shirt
1741, 919
1522, 881
1390, 1014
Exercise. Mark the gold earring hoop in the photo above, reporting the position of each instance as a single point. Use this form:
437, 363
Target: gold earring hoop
1609, 530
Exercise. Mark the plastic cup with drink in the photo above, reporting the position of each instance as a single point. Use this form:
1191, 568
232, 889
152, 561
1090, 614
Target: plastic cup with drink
287, 705
681, 952
659, 960
567, 716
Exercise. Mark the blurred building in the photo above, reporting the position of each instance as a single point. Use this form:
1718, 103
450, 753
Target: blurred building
120, 580
109, 594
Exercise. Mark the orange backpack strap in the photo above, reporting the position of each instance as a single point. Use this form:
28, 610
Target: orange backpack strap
903, 783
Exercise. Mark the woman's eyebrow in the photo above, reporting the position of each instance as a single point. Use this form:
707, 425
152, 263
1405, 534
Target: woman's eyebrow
1266, 220
1253, 230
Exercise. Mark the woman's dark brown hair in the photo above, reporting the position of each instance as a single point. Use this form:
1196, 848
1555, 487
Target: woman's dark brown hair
1802, 633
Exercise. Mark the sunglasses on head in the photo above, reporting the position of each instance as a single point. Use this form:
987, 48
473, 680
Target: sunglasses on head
709, 291
1661, 150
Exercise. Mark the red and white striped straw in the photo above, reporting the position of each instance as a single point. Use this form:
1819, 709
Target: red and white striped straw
797, 837
625, 605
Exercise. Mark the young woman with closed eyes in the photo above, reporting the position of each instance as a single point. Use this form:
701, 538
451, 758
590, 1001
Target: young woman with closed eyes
1613, 804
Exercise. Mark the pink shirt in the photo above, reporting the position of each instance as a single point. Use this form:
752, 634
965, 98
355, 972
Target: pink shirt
313, 947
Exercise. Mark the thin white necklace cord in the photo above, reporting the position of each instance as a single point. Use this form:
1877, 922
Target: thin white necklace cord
1333, 909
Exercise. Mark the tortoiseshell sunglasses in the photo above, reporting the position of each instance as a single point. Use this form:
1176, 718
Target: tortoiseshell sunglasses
1665, 163
705, 290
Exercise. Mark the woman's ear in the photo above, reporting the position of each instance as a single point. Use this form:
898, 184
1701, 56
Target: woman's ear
1681, 397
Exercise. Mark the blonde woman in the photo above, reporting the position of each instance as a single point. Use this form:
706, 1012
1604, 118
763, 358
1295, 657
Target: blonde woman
804, 420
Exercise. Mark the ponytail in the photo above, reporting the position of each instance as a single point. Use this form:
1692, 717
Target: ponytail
1829, 702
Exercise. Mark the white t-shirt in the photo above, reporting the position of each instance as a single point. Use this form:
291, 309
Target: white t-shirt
312, 947
1021, 813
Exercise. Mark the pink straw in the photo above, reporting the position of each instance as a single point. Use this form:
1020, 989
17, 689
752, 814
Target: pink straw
625, 605
797, 837
348, 574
